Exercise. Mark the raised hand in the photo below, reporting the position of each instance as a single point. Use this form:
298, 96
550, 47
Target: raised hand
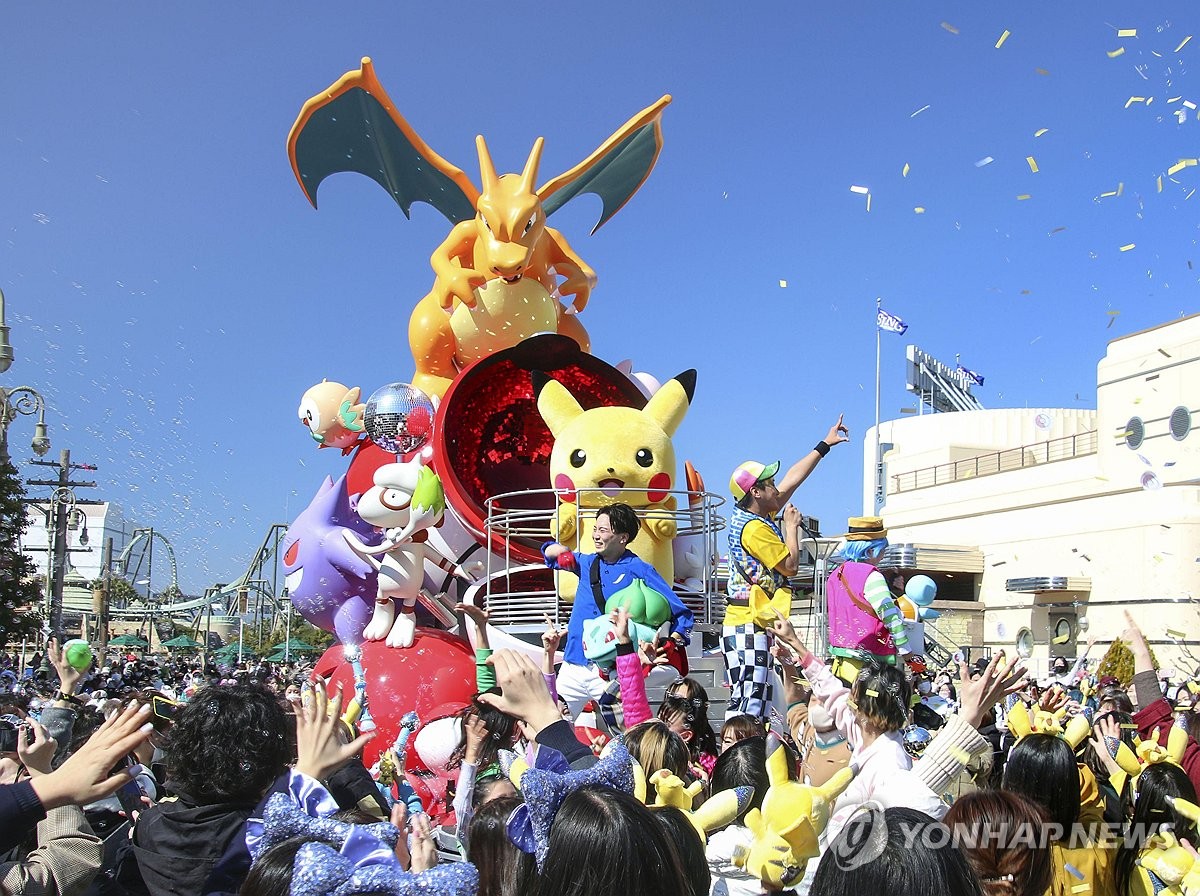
320, 750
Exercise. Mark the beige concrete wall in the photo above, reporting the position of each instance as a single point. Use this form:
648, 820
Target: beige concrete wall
1091, 516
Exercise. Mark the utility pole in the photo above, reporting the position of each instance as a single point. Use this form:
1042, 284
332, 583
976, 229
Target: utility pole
61, 502
100, 598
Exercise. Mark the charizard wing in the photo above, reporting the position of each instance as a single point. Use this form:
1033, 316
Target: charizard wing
616, 170
354, 126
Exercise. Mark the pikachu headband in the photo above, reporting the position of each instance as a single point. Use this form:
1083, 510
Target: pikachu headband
1021, 724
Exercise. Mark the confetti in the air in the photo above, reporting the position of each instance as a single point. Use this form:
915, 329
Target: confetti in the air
1023, 196
919, 209
1057, 230
919, 111
863, 191
1033, 166
1127, 32
1041, 71
1183, 43
949, 27
1134, 99
1113, 54
1128, 246
1003, 38
986, 160
1040, 131
904, 171
783, 284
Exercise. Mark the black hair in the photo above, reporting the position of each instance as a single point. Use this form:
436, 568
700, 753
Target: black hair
877, 852
690, 701
882, 694
745, 765
689, 846
1042, 767
1116, 695
1151, 811
742, 727
504, 869
501, 727
606, 843
228, 744
622, 519
271, 875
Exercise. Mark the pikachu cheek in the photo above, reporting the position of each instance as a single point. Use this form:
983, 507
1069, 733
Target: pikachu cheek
565, 488
657, 488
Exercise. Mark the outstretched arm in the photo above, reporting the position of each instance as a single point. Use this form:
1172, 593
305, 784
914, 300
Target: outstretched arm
580, 279
800, 470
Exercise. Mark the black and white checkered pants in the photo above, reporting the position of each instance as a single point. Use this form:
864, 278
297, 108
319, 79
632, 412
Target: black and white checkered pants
748, 666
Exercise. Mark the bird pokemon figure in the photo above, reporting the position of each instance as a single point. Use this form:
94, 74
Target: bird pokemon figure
333, 415
502, 271
615, 454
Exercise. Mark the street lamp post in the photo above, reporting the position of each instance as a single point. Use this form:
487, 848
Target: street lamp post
27, 401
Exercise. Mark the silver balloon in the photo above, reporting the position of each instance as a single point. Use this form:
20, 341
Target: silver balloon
399, 418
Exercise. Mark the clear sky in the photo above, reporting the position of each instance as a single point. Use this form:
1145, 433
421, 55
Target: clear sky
172, 293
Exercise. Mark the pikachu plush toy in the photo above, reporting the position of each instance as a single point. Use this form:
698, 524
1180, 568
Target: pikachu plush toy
611, 455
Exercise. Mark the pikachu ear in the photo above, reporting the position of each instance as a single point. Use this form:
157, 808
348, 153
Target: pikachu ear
556, 405
669, 405
639, 781
1177, 741
1018, 721
516, 770
1077, 731
777, 768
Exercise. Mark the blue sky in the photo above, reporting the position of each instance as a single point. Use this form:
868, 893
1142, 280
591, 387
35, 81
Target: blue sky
172, 293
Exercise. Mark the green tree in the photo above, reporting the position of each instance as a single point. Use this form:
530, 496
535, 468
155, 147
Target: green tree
1118, 662
20, 588
120, 591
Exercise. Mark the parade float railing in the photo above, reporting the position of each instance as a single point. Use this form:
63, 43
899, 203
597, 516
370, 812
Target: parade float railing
993, 462
520, 595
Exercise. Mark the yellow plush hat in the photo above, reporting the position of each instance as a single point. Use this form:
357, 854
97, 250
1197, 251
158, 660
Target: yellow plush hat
1021, 724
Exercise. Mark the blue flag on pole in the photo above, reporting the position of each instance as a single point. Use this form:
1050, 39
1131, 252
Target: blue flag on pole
890, 323
971, 375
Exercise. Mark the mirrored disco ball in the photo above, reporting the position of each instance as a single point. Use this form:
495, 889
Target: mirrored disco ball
399, 418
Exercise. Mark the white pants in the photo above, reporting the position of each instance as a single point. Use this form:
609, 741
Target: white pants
577, 685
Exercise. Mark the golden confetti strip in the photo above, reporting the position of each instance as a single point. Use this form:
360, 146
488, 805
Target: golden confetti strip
1176, 168
1134, 99
1176, 634
868, 202
1126, 32
1032, 164
1113, 313
1024, 196
862, 191
1040, 131
919, 209
783, 284
1128, 246
1174, 99
871, 693
1182, 43
1040, 71
1109, 193
1128, 726
1003, 38
1061, 639
1160, 183
1189, 104
949, 27
904, 171
1113, 54
1120, 187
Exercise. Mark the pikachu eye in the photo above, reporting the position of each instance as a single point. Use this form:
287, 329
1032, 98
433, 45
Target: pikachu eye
578, 458
644, 457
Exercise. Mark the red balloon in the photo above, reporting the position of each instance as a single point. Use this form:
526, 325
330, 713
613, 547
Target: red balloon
437, 672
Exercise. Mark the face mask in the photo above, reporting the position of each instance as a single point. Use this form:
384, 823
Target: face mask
924, 687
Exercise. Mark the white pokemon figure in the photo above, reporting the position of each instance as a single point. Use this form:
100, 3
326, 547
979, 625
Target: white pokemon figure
406, 501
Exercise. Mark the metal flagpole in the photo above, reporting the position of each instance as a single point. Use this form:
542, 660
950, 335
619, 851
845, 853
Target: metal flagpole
875, 471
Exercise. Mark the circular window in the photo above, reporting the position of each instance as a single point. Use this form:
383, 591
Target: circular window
1181, 423
1135, 432
1024, 643
1062, 631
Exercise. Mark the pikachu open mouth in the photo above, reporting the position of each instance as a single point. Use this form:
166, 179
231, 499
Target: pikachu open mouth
610, 487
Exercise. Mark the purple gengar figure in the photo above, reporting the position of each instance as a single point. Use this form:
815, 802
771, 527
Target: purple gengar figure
330, 585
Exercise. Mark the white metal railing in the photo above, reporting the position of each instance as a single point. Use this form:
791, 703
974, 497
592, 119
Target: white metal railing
516, 597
